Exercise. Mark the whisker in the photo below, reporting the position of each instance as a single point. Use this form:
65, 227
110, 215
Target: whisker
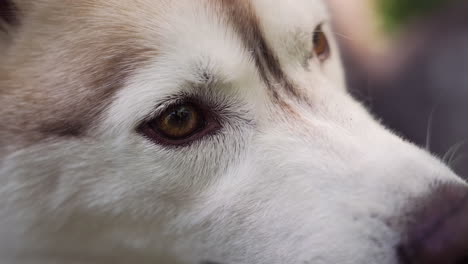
341, 35
452, 151
455, 152
456, 161
430, 122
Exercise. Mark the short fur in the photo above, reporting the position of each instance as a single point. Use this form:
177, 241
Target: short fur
298, 173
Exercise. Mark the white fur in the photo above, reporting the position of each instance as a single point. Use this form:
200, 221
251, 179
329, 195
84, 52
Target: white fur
274, 189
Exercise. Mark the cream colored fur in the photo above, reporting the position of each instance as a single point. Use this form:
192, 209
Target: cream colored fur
78, 184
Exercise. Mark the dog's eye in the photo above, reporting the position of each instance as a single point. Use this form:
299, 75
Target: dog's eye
180, 124
321, 45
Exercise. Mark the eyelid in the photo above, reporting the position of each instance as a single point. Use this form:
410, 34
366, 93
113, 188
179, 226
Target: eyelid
323, 23
320, 28
164, 104
182, 98
212, 123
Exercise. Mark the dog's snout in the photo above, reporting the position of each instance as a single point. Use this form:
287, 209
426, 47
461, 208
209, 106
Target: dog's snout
439, 230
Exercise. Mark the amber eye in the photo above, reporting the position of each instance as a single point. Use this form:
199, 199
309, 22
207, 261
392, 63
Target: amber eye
179, 121
321, 45
179, 124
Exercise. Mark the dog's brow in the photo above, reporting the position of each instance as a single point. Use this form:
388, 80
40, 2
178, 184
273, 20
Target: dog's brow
241, 15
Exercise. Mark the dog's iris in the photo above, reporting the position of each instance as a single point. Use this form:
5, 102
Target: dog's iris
181, 124
179, 121
321, 45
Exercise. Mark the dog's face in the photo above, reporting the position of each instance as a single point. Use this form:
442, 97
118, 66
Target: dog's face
204, 131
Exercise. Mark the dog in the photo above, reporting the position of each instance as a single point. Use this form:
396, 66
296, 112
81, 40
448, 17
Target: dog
204, 131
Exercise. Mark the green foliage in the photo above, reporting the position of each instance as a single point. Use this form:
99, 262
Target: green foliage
398, 12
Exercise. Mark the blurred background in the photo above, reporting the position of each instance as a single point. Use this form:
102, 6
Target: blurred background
407, 60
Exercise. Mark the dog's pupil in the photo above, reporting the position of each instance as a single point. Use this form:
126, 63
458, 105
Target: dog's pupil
180, 117
179, 122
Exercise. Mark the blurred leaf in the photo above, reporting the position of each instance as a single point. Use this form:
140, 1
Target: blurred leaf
398, 12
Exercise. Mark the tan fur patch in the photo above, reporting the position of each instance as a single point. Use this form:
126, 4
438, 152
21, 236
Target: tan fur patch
68, 58
64, 65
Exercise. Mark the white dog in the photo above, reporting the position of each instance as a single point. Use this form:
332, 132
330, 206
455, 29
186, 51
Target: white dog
204, 131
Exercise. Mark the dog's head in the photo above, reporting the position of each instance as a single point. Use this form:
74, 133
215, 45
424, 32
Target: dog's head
204, 131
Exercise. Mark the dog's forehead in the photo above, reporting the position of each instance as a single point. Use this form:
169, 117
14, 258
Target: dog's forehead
72, 57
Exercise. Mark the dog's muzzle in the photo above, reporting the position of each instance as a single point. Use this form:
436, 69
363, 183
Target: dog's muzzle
438, 233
